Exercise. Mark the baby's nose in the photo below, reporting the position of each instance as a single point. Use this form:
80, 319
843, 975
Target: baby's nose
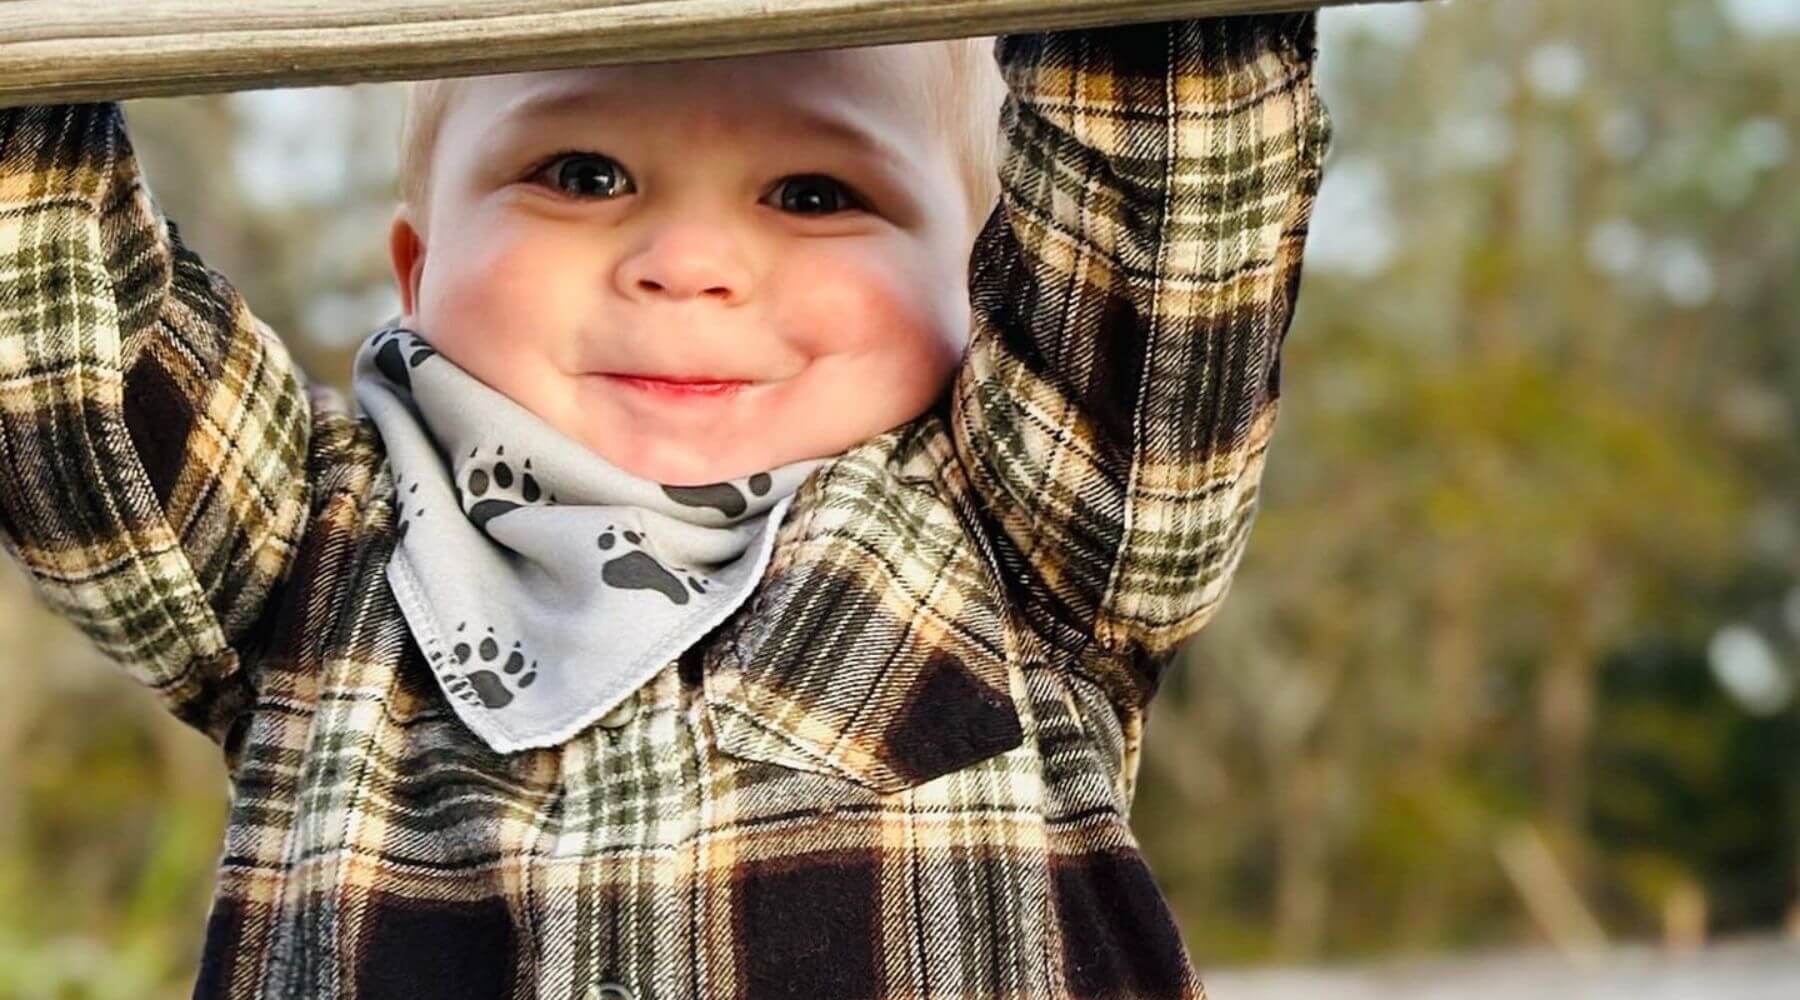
717, 291
685, 262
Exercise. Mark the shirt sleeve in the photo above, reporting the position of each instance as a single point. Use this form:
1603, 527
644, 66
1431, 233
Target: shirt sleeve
153, 432
1130, 295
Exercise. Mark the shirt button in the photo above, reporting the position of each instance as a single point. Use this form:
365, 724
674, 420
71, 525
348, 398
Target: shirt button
610, 991
615, 717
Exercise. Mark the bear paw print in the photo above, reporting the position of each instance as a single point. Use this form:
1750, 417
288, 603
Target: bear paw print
722, 497
483, 673
397, 353
494, 487
635, 569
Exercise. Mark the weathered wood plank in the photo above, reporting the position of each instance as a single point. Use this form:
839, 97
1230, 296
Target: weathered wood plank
66, 50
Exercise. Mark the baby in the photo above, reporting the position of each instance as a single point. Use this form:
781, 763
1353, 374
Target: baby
787, 234
762, 534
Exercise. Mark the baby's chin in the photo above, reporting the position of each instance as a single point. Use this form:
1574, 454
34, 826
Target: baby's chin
707, 446
671, 464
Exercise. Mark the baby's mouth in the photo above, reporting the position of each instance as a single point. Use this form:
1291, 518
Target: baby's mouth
679, 387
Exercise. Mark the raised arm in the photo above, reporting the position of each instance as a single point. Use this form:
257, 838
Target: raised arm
153, 432
1130, 297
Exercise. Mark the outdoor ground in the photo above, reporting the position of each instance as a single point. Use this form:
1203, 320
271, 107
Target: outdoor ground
1760, 969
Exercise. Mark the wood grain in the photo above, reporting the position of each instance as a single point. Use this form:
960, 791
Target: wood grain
69, 50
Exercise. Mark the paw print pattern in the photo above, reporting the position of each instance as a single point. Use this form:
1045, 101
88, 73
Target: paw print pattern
397, 353
723, 497
639, 570
404, 510
498, 487
480, 671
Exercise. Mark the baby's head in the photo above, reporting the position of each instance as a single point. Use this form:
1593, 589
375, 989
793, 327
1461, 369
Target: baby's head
560, 229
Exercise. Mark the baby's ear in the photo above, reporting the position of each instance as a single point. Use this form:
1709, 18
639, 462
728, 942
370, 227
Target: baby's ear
406, 250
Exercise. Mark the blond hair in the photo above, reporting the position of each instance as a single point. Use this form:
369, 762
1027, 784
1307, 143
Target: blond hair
964, 89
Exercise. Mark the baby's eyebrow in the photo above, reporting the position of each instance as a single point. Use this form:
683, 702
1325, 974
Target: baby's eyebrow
842, 131
556, 103
797, 121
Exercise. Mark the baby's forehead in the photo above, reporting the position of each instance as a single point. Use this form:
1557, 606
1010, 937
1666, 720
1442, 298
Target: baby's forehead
871, 83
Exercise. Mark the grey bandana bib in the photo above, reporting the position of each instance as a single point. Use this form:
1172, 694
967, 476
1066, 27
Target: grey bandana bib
544, 584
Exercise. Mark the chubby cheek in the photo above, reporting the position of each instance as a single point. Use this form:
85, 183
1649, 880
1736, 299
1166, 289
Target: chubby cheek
872, 308
494, 304
884, 339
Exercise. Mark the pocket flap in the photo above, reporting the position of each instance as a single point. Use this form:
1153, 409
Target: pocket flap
875, 648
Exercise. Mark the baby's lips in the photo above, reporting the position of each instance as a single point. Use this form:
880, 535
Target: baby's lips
679, 389
683, 379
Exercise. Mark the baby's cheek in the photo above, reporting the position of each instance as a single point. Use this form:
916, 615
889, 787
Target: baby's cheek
486, 281
881, 326
844, 303
493, 298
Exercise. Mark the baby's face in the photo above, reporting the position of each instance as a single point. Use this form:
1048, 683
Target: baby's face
793, 224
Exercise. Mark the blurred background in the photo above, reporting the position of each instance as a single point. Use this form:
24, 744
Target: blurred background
1510, 665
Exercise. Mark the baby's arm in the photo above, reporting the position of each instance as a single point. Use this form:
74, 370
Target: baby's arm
1130, 298
153, 432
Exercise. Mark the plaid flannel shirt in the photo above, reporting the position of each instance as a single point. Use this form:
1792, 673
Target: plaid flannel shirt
902, 770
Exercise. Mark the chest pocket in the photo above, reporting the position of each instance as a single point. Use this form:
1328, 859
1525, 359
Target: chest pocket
875, 649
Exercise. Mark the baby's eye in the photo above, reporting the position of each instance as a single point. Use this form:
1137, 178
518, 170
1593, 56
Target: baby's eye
816, 194
587, 175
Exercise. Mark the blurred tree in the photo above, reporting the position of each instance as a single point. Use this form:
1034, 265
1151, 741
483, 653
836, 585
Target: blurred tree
1539, 422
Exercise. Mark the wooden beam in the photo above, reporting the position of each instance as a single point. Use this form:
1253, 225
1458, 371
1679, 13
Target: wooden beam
68, 50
